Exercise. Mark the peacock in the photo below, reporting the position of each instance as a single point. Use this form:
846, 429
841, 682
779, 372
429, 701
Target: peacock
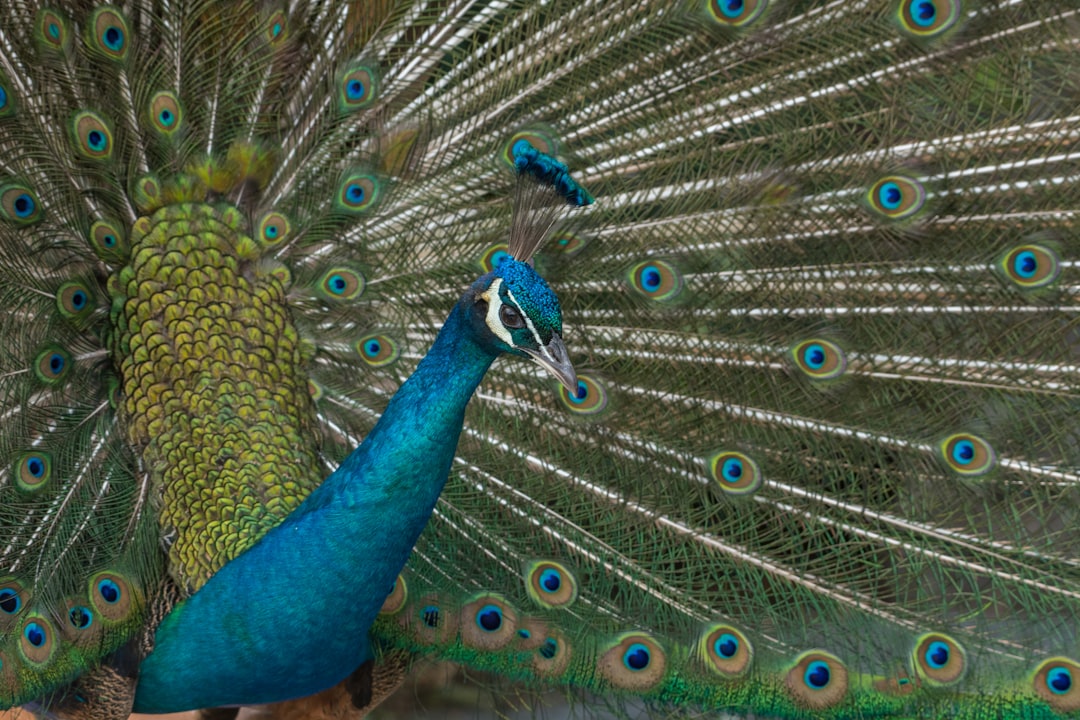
787, 290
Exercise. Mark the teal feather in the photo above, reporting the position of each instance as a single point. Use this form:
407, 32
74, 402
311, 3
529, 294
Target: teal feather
819, 458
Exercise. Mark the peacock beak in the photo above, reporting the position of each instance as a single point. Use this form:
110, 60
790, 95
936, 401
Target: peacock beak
554, 358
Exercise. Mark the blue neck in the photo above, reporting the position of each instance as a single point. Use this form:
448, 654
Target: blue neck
290, 616
402, 465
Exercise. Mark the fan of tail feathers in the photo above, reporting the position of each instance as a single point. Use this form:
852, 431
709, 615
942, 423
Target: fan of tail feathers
823, 456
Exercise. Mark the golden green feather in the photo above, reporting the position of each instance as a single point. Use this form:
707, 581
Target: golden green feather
214, 391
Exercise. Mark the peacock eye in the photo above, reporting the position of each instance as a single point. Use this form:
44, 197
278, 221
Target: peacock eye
511, 318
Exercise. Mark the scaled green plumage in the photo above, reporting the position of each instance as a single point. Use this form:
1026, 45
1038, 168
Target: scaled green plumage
822, 460
212, 384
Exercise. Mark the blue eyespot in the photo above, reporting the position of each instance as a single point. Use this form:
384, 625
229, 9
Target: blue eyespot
489, 618
967, 454
737, 13
549, 648
493, 256
817, 675
1054, 683
24, 205
276, 29
731, 8
890, 195
357, 192
35, 466
732, 470
95, 138
524, 634
963, 452
430, 615
1059, 680
377, 350
634, 662
109, 240
937, 655
72, 299
342, 284
109, 591
358, 88
724, 650
636, 657
656, 280
273, 227
80, 617
37, 643
929, 18
3, 98
735, 473
53, 30
939, 659
820, 359
52, 365
651, 278
924, 13
10, 602
35, 634
165, 112
818, 680
897, 197
114, 38
550, 580
726, 645
33, 471
588, 398
1025, 264
1031, 266
550, 584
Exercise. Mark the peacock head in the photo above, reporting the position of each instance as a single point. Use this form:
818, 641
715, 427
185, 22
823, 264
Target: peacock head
514, 311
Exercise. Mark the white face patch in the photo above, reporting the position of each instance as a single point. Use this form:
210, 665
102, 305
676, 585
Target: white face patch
495, 303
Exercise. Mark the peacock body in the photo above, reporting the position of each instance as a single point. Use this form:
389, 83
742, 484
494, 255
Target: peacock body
820, 457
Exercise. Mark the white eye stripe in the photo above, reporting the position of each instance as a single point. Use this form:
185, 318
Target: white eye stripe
495, 304
529, 324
